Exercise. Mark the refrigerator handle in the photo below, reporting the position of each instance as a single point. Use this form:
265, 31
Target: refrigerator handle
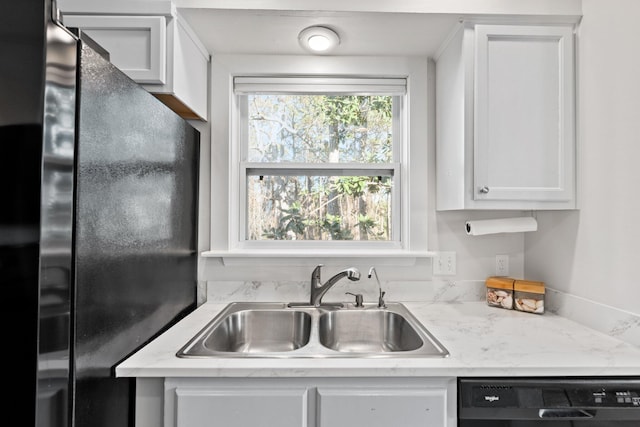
56, 15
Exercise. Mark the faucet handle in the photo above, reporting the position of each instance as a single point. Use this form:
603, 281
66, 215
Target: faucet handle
381, 303
358, 299
315, 274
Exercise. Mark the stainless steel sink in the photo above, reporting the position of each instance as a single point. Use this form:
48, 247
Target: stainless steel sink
260, 331
367, 331
277, 330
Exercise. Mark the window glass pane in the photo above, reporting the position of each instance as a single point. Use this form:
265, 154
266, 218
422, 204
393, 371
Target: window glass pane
319, 207
320, 128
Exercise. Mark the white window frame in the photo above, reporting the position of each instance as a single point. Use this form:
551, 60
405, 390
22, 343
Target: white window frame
314, 85
227, 238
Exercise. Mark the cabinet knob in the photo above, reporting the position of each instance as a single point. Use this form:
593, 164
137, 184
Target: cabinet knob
484, 190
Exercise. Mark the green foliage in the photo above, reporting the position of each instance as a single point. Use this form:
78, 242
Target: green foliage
293, 219
275, 233
369, 225
350, 185
320, 129
333, 225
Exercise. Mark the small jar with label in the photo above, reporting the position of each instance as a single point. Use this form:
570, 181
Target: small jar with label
528, 296
500, 292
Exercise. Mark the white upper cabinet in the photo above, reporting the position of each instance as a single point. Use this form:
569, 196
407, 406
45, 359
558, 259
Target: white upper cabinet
505, 118
135, 43
154, 46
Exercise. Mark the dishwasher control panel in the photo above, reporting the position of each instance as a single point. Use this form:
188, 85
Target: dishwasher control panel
604, 397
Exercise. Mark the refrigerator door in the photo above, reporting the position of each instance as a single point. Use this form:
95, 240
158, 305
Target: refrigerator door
97, 224
37, 121
56, 229
135, 231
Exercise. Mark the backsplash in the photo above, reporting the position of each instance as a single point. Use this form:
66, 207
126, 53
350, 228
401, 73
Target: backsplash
610, 320
294, 291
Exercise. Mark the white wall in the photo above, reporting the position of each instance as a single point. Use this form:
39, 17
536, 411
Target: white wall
594, 253
446, 230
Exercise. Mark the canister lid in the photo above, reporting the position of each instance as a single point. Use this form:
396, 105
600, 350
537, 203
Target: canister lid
529, 286
499, 282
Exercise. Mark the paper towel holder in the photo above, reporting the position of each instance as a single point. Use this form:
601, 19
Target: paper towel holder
503, 225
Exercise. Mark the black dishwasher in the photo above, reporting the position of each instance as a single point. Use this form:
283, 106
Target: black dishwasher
549, 402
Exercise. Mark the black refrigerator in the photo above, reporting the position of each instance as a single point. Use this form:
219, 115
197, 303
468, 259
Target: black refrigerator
98, 214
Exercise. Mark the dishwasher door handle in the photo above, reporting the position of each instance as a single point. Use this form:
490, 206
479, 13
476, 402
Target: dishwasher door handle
568, 413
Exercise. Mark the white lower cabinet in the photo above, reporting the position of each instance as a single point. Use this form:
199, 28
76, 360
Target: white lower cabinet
381, 407
304, 402
232, 407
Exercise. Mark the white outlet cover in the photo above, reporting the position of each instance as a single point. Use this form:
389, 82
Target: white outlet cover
502, 265
444, 264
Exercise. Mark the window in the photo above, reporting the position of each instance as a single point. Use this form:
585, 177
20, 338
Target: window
319, 159
266, 179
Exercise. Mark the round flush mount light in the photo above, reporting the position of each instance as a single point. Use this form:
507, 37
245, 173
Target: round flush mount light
320, 40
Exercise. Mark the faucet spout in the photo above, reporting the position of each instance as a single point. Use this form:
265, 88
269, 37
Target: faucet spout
318, 289
381, 303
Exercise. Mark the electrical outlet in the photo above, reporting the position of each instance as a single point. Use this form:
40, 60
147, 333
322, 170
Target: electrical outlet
502, 265
444, 264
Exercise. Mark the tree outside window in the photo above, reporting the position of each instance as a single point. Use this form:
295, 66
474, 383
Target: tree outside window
319, 167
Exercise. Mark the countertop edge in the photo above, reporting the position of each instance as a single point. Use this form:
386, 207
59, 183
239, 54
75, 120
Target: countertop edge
483, 341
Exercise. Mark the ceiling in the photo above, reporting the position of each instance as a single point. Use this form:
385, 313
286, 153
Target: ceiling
225, 31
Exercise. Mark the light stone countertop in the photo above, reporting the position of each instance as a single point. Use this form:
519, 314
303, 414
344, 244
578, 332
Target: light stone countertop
482, 341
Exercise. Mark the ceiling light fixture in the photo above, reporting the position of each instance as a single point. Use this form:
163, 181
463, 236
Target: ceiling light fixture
320, 40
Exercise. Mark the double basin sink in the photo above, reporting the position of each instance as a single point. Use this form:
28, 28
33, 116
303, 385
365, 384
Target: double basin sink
278, 330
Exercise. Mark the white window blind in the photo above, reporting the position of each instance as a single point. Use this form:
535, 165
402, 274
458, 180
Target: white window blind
319, 85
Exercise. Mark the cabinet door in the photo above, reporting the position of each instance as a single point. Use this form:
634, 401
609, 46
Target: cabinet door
381, 407
524, 113
136, 44
233, 407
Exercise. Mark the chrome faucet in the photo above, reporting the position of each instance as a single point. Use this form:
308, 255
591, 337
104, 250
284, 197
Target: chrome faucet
381, 303
318, 290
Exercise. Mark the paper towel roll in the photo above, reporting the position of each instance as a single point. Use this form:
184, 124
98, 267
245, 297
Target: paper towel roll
505, 225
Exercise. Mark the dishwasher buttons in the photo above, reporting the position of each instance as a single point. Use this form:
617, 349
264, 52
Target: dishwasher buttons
627, 398
599, 396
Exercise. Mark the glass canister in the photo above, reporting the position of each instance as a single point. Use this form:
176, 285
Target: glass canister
500, 292
528, 296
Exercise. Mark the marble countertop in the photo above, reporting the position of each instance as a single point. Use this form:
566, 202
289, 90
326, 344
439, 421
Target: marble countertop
482, 341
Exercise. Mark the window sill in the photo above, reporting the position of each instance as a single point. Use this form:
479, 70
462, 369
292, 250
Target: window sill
290, 257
